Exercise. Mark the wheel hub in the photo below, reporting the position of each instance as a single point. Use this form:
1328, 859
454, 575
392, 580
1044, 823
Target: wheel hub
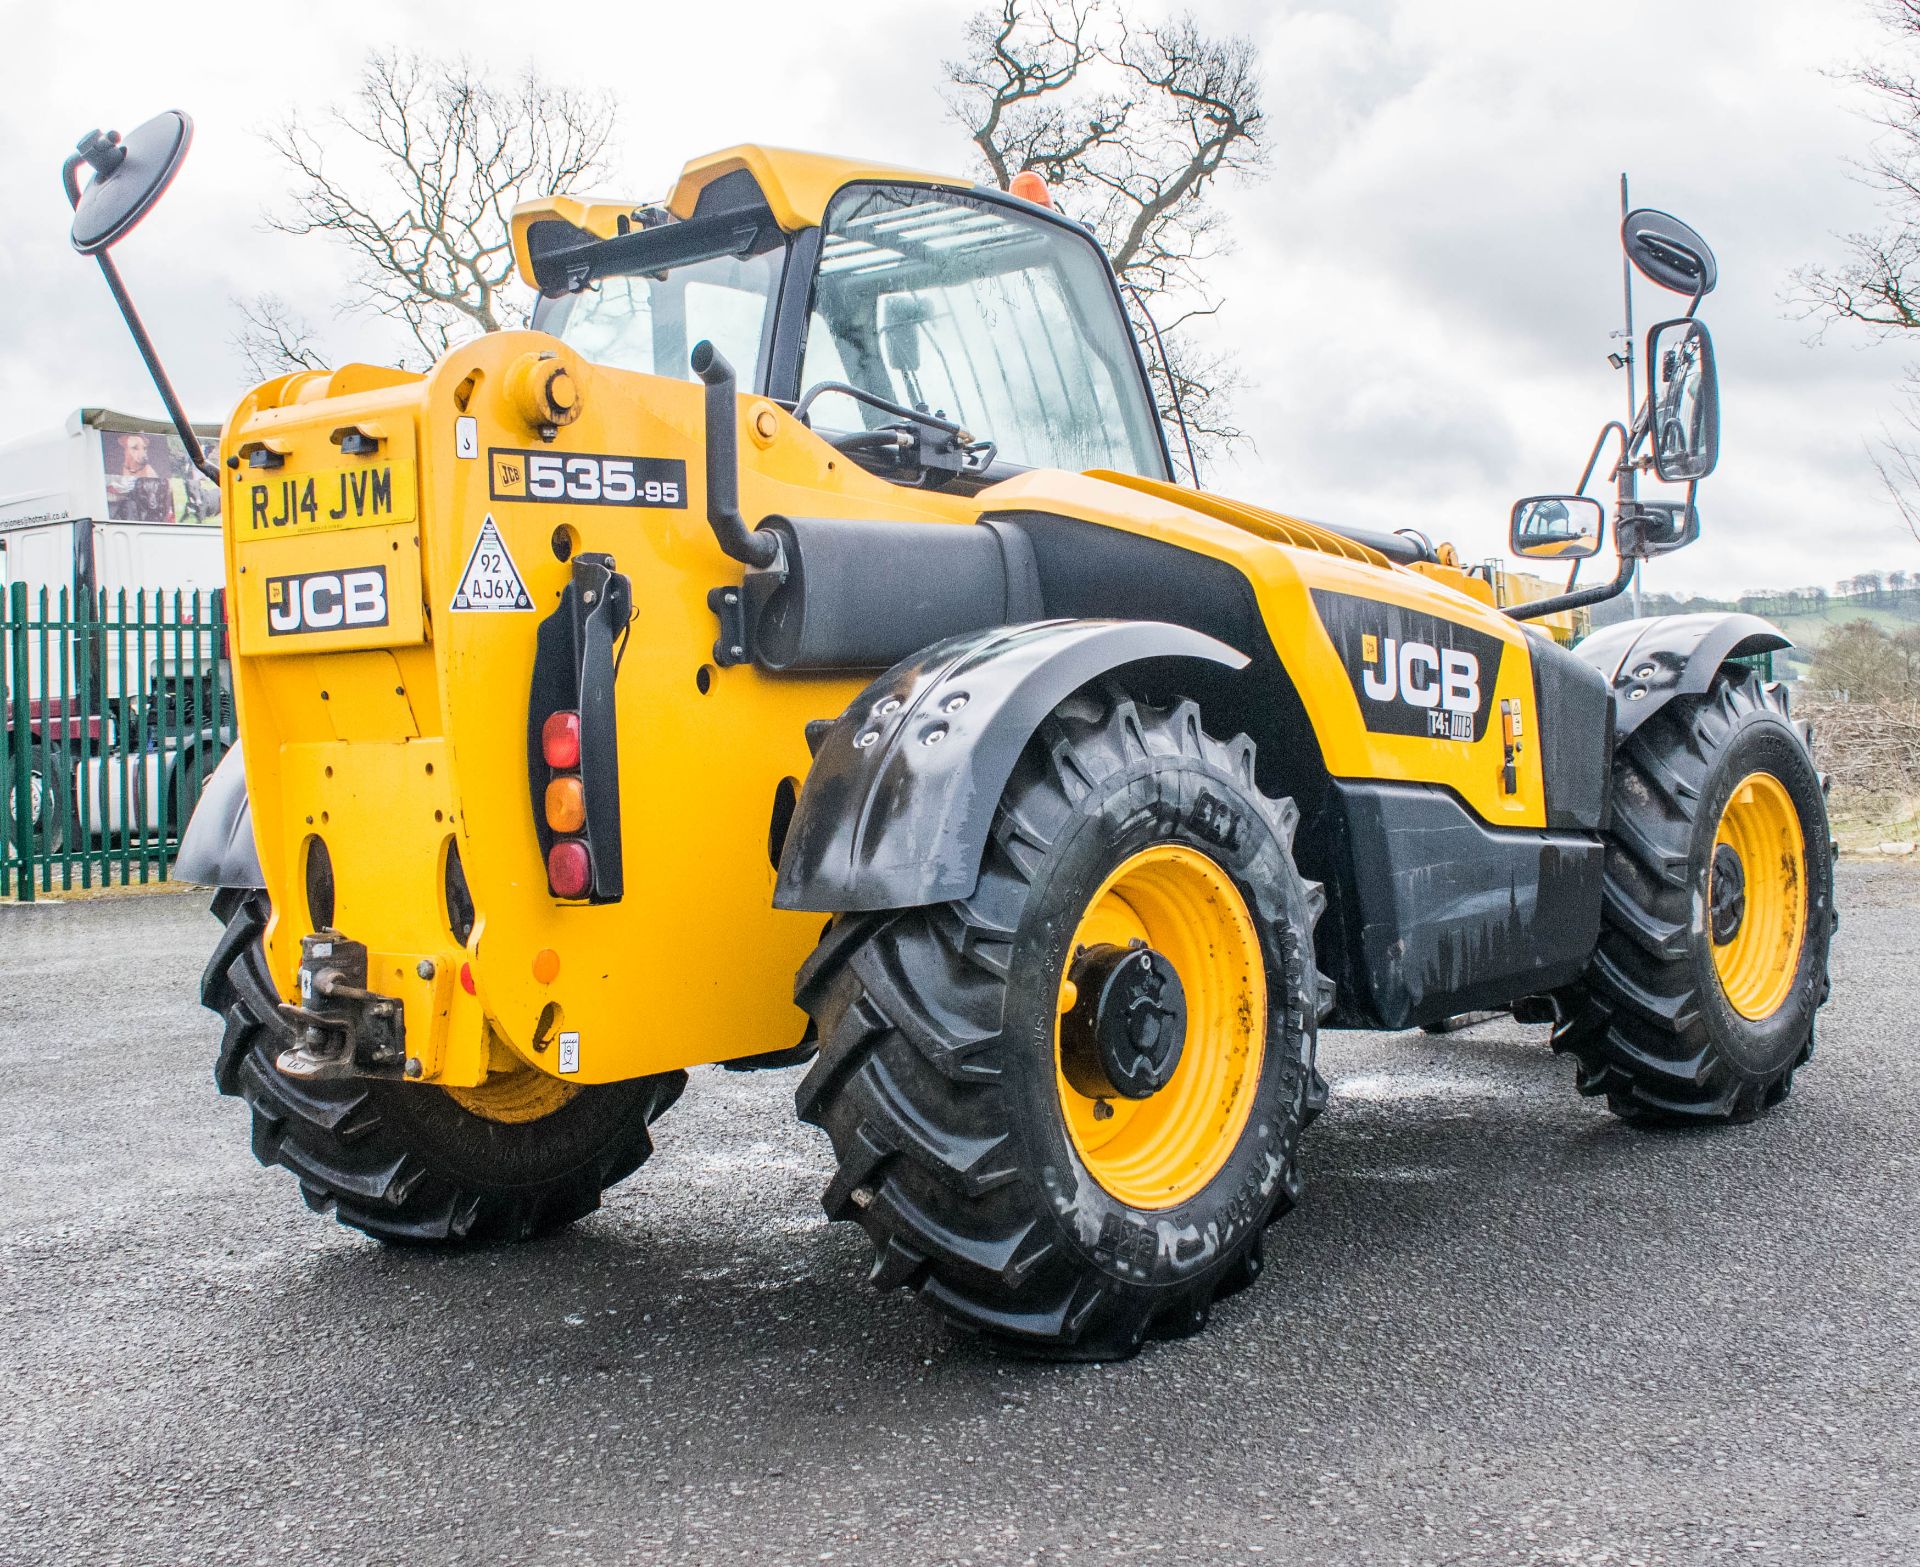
1200, 1023
1727, 894
1757, 908
1127, 1027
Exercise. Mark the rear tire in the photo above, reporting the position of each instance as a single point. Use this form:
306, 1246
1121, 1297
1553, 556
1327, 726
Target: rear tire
51, 810
940, 1081
405, 1162
1666, 1024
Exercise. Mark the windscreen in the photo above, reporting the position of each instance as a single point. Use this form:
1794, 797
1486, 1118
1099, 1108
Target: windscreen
650, 323
1004, 322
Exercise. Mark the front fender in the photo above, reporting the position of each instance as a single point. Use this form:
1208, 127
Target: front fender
1650, 662
217, 849
897, 807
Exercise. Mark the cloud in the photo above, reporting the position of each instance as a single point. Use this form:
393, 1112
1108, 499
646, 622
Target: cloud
1420, 293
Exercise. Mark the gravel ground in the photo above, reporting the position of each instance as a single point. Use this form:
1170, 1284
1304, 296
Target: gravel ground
1502, 1327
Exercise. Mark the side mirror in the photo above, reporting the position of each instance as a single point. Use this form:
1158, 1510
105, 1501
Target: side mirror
1683, 396
1557, 527
129, 176
1665, 251
1650, 528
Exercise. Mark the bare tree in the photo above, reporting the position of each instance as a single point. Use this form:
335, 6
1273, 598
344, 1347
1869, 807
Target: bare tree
274, 338
416, 176
1131, 125
1876, 283
1896, 455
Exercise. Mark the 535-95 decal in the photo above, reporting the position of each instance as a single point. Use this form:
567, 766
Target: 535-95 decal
583, 479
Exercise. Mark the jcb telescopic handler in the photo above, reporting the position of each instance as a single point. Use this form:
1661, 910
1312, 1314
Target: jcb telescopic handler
794, 650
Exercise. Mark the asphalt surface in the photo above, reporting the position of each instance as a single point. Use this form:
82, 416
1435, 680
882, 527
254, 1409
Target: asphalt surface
1502, 1327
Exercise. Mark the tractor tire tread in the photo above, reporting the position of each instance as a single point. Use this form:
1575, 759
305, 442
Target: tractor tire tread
906, 1089
358, 1151
1634, 1024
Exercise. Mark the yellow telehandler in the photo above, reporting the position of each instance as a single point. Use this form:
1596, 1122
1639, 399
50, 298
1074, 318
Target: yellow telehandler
795, 651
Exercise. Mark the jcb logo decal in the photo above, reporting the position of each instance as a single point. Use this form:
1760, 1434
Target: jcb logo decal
1415, 674
1446, 681
327, 601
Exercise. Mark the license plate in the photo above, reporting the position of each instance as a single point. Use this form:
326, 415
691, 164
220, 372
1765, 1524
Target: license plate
363, 496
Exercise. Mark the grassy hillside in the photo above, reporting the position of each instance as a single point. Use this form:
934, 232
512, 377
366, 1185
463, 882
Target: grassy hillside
1808, 627
1805, 620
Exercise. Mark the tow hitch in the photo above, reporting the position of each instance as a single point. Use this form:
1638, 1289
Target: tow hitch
341, 1029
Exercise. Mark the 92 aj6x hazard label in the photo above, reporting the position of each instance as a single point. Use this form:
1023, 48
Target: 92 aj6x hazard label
583, 479
1414, 673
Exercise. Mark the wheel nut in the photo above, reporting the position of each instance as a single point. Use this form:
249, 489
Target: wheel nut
414, 1068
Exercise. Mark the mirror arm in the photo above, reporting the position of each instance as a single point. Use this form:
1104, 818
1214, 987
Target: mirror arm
1578, 600
195, 451
1599, 443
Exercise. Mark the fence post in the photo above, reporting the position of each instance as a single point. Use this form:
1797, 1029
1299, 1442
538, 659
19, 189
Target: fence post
22, 780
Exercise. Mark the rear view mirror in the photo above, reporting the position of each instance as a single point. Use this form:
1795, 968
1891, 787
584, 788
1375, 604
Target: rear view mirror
1665, 251
1683, 395
129, 176
1557, 527
1650, 528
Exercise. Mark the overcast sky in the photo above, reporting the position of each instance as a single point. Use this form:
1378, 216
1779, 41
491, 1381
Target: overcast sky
1421, 288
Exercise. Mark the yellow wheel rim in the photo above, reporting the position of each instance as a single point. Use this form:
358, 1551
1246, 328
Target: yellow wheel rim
514, 1097
1757, 898
1159, 1151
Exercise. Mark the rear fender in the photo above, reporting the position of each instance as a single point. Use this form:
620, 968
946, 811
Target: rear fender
217, 849
898, 804
1650, 662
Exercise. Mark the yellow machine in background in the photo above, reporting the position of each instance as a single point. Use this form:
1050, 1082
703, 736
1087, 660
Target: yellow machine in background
883, 707
1511, 587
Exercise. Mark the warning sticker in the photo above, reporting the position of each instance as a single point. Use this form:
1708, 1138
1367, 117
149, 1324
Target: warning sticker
491, 581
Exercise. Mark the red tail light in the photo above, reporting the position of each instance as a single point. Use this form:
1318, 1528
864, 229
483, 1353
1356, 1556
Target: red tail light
569, 869
560, 740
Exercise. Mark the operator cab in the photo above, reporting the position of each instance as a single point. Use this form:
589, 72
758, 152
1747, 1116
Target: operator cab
940, 337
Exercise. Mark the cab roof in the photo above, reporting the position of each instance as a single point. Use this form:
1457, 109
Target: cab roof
796, 187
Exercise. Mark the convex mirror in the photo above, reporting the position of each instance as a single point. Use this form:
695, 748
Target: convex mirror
1683, 397
1557, 527
129, 176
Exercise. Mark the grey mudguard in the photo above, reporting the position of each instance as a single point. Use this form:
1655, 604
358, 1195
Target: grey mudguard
1650, 662
896, 809
217, 849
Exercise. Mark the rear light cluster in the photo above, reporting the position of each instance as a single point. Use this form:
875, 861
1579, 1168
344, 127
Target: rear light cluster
569, 864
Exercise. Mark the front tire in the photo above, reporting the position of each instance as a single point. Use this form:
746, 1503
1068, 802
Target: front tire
1698, 1005
411, 1163
990, 1184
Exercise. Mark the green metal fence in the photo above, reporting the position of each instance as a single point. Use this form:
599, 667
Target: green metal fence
117, 709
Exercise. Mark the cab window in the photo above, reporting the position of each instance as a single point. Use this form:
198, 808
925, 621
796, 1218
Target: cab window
1004, 321
650, 323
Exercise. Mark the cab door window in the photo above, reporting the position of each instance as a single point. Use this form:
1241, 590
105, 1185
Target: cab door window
1004, 321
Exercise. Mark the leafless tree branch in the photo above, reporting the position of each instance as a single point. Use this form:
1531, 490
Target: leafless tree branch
274, 339
416, 176
1131, 126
